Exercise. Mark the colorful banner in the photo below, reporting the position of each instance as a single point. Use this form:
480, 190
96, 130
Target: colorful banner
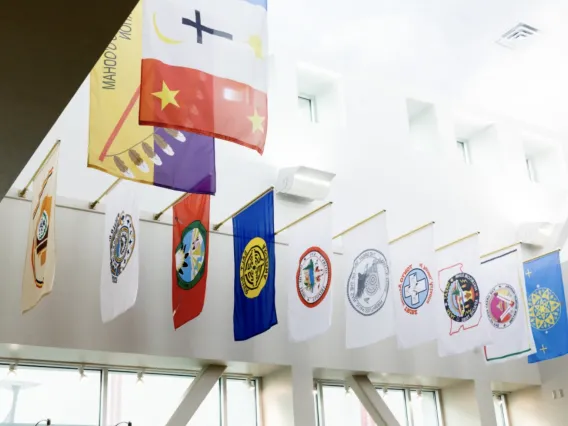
204, 68
39, 269
369, 309
255, 269
462, 320
190, 255
547, 306
506, 307
120, 269
309, 296
118, 145
414, 269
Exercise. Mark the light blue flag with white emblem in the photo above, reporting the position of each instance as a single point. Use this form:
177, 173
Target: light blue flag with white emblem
547, 307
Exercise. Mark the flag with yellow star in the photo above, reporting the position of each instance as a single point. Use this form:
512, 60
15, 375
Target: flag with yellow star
118, 145
546, 306
204, 68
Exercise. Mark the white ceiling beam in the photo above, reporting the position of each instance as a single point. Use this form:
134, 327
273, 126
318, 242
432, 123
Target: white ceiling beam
196, 394
371, 400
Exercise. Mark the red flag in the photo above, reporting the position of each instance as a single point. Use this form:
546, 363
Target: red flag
189, 257
192, 100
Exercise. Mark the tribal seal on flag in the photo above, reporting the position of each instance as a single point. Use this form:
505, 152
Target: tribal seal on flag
368, 284
313, 277
190, 255
122, 242
42, 224
544, 308
254, 267
416, 288
461, 297
502, 305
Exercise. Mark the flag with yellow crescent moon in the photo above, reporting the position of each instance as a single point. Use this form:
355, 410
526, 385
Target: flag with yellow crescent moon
118, 145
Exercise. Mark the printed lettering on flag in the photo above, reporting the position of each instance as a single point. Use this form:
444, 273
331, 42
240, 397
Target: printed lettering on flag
547, 307
255, 269
368, 300
506, 307
119, 273
462, 321
190, 255
309, 296
118, 145
414, 266
204, 68
39, 269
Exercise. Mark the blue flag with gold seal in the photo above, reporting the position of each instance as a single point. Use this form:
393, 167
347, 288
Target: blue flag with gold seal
547, 306
255, 267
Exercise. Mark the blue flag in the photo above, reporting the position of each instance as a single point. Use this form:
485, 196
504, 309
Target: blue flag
547, 307
255, 268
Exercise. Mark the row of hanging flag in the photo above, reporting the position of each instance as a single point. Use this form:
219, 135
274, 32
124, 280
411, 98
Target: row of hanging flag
403, 288
177, 75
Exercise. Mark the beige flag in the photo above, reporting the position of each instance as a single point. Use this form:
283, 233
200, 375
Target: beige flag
39, 269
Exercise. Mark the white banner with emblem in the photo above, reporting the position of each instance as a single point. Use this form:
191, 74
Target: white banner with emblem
119, 275
506, 307
369, 311
39, 269
462, 320
414, 266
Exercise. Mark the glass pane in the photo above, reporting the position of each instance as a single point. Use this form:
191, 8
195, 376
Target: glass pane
500, 413
153, 400
424, 409
241, 402
33, 394
305, 109
397, 404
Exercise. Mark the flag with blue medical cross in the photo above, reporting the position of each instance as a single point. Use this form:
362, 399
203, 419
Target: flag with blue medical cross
547, 306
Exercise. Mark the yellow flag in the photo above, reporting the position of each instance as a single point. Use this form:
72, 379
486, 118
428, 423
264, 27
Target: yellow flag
117, 143
39, 269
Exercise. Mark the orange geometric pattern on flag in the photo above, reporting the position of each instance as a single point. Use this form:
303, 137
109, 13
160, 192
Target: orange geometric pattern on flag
192, 100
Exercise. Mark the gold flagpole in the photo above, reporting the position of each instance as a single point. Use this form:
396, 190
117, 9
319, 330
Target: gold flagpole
177, 200
541, 255
459, 240
303, 217
105, 193
501, 249
23, 191
262, 194
412, 232
351, 228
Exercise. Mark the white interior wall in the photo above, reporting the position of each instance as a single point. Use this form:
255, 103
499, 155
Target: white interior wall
535, 407
276, 398
459, 405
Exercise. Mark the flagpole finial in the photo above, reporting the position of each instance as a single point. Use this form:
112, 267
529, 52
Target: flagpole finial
22, 193
262, 194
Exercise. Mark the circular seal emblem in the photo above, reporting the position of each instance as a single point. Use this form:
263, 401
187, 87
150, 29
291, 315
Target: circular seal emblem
313, 277
461, 297
368, 284
122, 242
42, 226
190, 255
415, 288
255, 265
544, 309
502, 305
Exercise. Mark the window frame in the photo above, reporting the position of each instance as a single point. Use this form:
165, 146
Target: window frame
531, 171
464, 150
312, 100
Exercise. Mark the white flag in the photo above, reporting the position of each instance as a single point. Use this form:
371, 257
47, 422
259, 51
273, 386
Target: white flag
414, 266
309, 298
462, 322
39, 269
119, 276
369, 310
506, 307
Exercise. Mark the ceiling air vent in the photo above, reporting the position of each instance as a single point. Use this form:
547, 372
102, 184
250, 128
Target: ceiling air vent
517, 36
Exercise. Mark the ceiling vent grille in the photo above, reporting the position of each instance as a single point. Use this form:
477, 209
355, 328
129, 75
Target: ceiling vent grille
517, 36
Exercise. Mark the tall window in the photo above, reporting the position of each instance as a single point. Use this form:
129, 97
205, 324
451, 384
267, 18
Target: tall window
463, 149
306, 108
500, 405
31, 394
411, 407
